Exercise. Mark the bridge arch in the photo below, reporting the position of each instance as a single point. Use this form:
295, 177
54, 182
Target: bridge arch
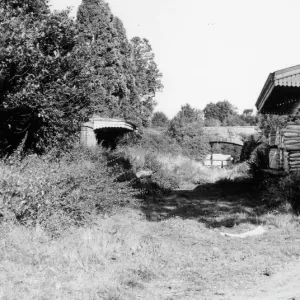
236, 142
104, 131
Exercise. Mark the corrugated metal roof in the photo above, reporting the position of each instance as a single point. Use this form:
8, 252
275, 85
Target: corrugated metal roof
288, 77
98, 123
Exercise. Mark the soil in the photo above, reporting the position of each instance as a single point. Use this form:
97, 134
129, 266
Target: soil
282, 285
235, 207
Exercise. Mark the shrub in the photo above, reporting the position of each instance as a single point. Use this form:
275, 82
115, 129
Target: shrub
60, 193
283, 191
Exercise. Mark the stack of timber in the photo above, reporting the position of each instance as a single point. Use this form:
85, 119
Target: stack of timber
292, 144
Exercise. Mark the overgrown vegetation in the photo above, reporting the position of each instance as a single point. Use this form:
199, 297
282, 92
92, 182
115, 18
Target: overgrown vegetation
56, 72
58, 193
283, 193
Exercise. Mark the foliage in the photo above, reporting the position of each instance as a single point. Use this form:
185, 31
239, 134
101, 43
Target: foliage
212, 122
191, 138
61, 193
220, 110
123, 74
250, 143
55, 73
187, 115
186, 129
283, 191
248, 117
234, 120
226, 114
42, 86
146, 74
159, 119
267, 123
152, 140
112, 88
160, 181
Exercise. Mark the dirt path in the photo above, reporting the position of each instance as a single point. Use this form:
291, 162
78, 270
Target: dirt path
283, 285
234, 207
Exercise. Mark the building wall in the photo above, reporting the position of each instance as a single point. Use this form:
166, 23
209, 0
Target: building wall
88, 137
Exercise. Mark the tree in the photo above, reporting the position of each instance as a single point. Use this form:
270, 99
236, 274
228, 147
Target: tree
248, 117
146, 73
187, 129
159, 119
124, 76
221, 110
234, 120
188, 114
43, 95
108, 80
212, 122
247, 112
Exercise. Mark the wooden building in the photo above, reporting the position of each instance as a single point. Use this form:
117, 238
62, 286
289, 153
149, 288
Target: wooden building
281, 96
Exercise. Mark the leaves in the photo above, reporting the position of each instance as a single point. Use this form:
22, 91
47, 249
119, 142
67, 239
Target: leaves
42, 78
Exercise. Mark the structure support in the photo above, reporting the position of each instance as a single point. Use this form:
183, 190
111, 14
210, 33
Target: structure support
88, 136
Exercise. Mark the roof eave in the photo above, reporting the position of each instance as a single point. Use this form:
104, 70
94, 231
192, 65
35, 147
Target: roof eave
265, 93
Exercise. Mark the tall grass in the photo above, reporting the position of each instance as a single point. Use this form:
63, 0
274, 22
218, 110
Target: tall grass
60, 193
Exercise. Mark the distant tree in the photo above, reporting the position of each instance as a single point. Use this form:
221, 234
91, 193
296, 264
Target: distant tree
271, 122
42, 84
234, 120
248, 117
221, 110
188, 114
187, 129
248, 112
159, 119
212, 122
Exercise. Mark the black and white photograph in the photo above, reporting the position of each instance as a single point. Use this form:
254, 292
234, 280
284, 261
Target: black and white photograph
149, 150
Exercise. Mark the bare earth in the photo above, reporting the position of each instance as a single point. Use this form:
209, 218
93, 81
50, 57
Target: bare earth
282, 285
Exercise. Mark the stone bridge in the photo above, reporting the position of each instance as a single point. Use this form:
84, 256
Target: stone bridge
104, 131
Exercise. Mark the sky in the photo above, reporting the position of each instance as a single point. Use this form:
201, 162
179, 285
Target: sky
212, 50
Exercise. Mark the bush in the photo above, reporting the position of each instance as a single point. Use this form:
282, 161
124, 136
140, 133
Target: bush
284, 191
60, 193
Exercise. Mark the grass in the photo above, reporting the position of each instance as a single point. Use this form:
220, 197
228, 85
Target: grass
187, 171
126, 257
177, 254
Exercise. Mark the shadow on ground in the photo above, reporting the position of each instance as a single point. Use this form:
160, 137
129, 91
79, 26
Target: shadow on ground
225, 203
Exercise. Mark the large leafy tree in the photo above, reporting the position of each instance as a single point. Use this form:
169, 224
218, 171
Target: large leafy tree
146, 73
97, 30
42, 83
113, 87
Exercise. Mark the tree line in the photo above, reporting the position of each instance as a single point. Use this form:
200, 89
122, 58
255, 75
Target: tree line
55, 72
222, 113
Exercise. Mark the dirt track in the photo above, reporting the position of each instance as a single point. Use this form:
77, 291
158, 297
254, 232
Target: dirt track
283, 285
233, 208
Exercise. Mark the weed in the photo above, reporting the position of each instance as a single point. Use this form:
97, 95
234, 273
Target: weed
63, 193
